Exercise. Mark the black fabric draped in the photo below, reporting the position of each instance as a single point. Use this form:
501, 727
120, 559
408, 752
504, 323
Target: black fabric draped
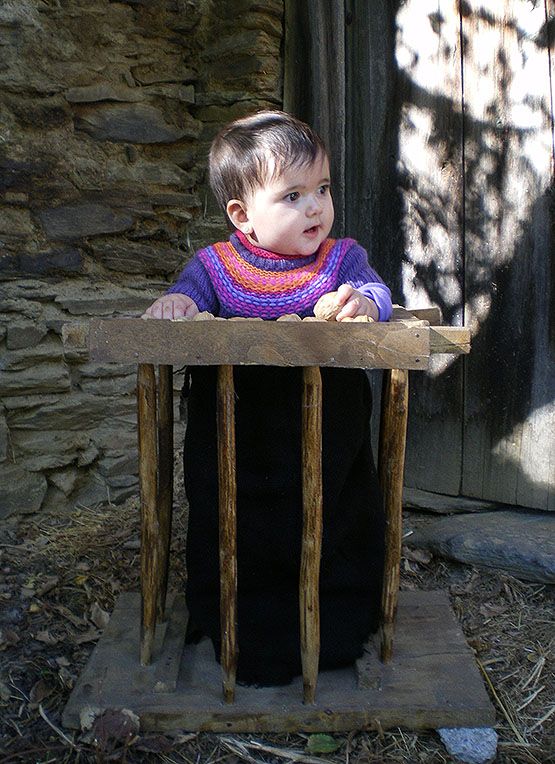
269, 518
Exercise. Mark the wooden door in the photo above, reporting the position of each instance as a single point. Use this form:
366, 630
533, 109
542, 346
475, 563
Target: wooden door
439, 118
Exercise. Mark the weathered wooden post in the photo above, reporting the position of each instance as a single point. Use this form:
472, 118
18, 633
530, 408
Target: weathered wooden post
391, 462
309, 584
227, 486
148, 483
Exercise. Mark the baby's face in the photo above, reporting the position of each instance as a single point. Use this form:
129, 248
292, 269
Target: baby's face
292, 214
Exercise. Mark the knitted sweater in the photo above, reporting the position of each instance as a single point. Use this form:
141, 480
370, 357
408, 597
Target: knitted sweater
236, 278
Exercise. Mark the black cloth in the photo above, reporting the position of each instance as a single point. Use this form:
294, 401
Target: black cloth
269, 518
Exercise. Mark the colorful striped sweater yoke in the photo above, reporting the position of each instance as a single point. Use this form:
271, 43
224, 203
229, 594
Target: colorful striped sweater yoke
236, 278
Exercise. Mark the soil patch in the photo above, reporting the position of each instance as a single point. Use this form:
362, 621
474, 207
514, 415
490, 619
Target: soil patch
59, 578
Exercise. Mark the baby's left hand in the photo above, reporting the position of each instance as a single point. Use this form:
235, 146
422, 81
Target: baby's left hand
355, 304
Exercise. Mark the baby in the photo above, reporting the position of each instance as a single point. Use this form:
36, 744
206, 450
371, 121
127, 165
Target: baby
271, 175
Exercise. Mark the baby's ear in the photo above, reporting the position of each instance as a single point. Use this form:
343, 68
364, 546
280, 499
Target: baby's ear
237, 213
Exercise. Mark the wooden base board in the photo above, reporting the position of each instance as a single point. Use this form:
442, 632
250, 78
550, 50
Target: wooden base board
431, 682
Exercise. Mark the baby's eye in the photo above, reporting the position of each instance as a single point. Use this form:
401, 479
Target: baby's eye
293, 196
324, 189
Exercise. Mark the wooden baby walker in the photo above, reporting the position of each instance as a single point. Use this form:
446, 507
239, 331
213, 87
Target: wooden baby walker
429, 679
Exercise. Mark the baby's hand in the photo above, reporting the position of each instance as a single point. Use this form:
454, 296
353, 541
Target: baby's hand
172, 306
355, 304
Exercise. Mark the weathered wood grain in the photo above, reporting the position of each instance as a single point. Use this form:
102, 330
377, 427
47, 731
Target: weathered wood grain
449, 340
416, 690
391, 463
151, 549
430, 185
509, 449
227, 487
311, 549
315, 48
271, 343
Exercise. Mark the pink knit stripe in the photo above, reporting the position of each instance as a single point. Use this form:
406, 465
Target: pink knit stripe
244, 274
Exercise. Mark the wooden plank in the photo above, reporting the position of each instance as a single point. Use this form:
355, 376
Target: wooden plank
227, 488
314, 47
430, 315
391, 464
114, 659
427, 266
274, 343
453, 340
509, 449
371, 140
151, 550
414, 498
416, 690
311, 549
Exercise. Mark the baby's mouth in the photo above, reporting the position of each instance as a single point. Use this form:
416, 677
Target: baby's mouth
312, 229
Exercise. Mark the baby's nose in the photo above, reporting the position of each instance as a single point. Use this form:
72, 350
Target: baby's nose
314, 204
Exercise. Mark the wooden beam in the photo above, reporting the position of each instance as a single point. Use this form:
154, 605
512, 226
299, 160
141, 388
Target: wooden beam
309, 598
431, 315
227, 486
453, 340
268, 343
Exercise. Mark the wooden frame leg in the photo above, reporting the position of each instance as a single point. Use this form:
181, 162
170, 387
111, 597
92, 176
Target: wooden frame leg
165, 478
148, 473
227, 486
309, 601
391, 463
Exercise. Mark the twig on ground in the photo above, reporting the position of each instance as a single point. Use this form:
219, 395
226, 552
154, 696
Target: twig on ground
500, 703
544, 718
57, 730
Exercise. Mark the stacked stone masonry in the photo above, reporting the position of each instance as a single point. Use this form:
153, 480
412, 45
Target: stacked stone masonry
107, 111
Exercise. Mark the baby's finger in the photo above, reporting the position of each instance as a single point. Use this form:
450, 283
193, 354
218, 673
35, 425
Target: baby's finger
156, 310
349, 310
191, 310
344, 292
166, 309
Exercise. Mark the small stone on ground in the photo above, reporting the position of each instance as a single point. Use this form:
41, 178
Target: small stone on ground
476, 745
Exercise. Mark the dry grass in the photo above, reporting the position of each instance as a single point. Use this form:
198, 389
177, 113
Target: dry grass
59, 578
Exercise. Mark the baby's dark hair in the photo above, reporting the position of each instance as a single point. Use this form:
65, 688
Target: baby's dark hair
239, 155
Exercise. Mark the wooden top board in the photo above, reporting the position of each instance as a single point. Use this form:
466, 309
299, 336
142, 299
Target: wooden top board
396, 344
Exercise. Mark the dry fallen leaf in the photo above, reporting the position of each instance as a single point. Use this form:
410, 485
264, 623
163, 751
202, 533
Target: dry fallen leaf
8, 638
89, 636
69, 615
39, 691
50, 583
416, 555
47, 637
99, 617
114, 727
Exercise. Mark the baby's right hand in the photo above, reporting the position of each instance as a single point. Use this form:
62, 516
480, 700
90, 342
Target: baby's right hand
172, 306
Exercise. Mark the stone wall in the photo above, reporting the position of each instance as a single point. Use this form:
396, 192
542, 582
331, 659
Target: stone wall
107, 110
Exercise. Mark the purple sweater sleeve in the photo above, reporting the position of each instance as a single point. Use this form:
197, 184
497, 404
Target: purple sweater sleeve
194, 281
356, 271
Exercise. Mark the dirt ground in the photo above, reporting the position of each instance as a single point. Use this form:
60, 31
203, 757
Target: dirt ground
58, 581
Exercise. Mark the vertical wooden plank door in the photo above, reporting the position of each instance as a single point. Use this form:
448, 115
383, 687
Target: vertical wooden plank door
510, 380
430, 265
